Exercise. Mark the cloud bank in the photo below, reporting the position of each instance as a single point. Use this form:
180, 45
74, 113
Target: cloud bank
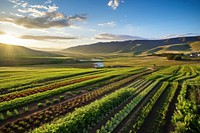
40, 16
107, 36
179, 35
46, 37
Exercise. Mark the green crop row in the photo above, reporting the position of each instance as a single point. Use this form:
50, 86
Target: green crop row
117, 118
147, 108
186, 118
38, 96
159, 120
85, 117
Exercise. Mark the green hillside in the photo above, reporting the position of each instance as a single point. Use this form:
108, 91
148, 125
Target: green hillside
20, 51
179, 47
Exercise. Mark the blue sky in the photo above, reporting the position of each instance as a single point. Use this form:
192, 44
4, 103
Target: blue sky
57, 24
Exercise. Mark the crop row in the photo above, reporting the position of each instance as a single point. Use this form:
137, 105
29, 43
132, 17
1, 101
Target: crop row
169, 71
161, 109
118, 117
91, 87
186, 117
38, 96
147, 108
16, 85
190, 72
59, 110
43, 89
86, 117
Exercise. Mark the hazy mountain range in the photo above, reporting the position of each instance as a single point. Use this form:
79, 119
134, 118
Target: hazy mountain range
179, 44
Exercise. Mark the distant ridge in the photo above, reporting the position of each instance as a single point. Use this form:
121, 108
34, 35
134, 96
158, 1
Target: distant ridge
20, 51
136, 46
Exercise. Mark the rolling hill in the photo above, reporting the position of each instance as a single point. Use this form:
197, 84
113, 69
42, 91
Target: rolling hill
20, 51
139, 46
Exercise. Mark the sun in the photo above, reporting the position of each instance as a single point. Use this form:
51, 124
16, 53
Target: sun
9, 39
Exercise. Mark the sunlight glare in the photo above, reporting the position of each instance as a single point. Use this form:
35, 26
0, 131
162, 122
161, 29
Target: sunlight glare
9, 39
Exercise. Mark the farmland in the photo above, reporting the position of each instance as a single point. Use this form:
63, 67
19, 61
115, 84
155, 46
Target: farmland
127, 100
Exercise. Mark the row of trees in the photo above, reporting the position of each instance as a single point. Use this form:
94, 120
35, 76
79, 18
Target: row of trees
170, 56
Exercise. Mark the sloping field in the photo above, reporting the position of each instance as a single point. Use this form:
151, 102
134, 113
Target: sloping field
69, 100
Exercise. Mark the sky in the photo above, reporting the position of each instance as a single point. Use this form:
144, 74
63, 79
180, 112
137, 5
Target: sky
59, 24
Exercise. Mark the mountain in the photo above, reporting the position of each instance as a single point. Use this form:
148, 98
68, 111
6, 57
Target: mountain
139, 46
20, 51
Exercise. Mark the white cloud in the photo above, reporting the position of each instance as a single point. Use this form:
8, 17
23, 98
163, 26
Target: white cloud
33, 10
48, 2
24, 5
178, 35
41, 16
39, 6
108, 24
52, 19
107, 36
46, 37
114, 3
52, 8
18, 15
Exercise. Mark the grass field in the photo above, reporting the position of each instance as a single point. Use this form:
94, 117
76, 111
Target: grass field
145, 61
131, 99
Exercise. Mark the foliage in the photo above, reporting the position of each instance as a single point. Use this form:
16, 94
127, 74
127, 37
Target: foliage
25, 109
186, 118
62, 97
9, 114
92, 113
40, 105
15, 112
47, 102
1, 117
55, 100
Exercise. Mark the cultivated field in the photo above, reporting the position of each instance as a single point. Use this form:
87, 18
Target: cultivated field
74, 100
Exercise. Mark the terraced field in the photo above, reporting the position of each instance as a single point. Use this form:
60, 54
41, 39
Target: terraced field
126, 100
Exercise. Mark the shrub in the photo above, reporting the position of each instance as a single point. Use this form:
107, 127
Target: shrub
69, 93
1, 117
62, 97
77, 92
25, 109
177, 57
40, 105
16, 112
170, 56
48, 102
9, 114
55, 100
